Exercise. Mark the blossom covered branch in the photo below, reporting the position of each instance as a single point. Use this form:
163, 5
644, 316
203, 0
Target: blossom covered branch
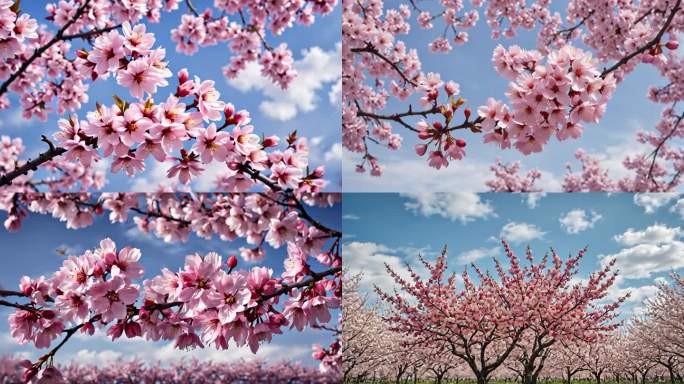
208, 302
553, 91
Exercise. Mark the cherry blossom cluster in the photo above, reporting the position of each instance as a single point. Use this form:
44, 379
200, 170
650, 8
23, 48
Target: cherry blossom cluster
266, 218
176, 373
62, 173
371, 51
174, 131
547, 99
656, 167
246, 38
40, 64
517, 312
207, 303
555, 90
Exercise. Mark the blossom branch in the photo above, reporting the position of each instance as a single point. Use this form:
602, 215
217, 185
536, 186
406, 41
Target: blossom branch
60, 36
655, 41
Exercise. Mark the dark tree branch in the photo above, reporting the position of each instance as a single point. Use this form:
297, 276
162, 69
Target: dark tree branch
647, 46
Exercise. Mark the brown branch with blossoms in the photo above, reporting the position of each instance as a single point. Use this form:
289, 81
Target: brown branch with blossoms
59, 36
653, 43
100, 291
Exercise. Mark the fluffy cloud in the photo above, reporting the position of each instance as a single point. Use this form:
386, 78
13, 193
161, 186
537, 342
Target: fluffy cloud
678, 208
577, 221
652, 201
335, 93
370, 259
476, 254
334, 153
315, 69
468, 175
532, 198
462, 206
520, 232
655, 234
655, 249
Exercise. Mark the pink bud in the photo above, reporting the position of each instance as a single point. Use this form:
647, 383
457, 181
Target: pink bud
647, 58
318, 172
420, 149
183, 76
318, 355
29, 374
460, 143
467, 113
133, 329
672, 44
229, 110
424, 135
270, 141
232, 261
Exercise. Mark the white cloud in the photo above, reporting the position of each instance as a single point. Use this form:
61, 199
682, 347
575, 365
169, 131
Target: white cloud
350, 216
370, 259
532, 198
206, 181
334, 153
577, 221
335, 93
462, 206
316, 68
655, 234
520, 232
467, 175
678, 208
14, 119
88, 357
652, 201
477, 254
152, 178
654, 249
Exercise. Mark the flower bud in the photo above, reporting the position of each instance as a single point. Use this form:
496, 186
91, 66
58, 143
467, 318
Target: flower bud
183, 76
319, 172
318, 355
270, 141
420, 149
672, 44
232, 261
424, 135
467, 112
460, 143
647, 58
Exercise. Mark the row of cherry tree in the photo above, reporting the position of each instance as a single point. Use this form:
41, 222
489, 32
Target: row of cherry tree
49, 67
528, 324
555, 91
210, 301
183, 372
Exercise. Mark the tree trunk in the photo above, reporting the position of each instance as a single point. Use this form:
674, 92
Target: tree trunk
597, 376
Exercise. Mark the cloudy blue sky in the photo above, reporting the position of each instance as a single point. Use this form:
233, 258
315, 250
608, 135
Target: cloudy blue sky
310, 106
32, 251
643, 232
470, 65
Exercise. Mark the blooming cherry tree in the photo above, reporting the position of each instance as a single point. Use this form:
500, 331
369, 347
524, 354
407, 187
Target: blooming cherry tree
518, 315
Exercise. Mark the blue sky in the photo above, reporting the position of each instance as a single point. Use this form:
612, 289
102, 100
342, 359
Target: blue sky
32, 251
642, 232
315, 50
628, 112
